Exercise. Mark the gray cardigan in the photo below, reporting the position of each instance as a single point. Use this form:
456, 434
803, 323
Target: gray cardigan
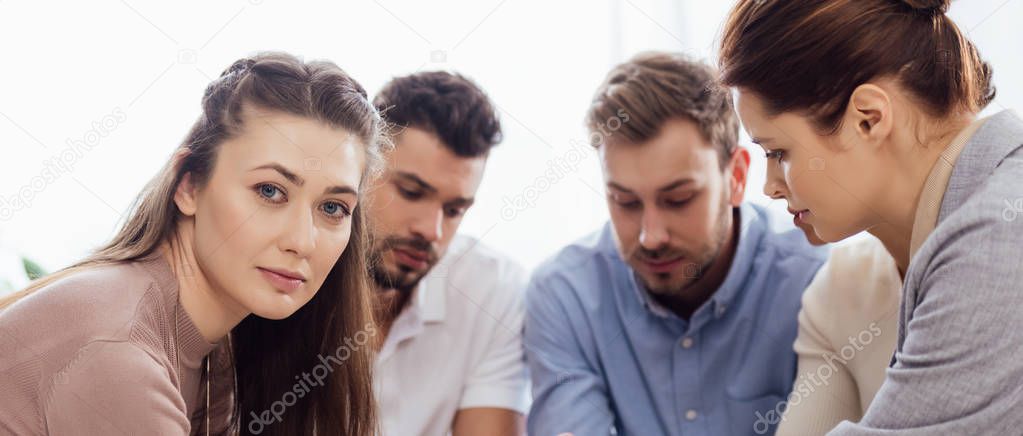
958, 366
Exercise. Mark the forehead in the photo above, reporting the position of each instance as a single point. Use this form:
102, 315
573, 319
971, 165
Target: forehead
772, 131
422, 153
677, 151
322, 154
751, 111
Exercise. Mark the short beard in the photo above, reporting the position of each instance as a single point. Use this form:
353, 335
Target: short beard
694, 271
404, 280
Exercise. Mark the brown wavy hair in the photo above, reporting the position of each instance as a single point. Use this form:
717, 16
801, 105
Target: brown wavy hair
808, 56
266, 355
653, 87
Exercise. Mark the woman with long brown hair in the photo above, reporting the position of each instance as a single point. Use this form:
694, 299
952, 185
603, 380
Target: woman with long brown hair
234, 299
868, 111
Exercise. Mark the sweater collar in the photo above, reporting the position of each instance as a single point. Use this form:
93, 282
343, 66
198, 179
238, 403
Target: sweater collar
192, 348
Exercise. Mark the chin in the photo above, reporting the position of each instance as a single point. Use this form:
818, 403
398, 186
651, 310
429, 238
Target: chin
276, 306
659, 285
831, 235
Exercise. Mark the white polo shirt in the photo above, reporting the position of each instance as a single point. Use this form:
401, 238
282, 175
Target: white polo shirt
457, 345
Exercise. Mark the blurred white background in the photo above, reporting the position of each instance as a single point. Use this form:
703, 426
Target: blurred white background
126, 78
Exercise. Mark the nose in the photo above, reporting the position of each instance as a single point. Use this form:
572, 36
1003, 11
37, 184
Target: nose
774, 184
429, 226
654, 233
300, 234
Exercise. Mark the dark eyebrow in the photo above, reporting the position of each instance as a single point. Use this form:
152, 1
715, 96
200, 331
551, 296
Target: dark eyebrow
292, 177
762, 141
676, 184
298, 180
340, 190
668, 187
618, 187
415, 179
458, 202
461, 202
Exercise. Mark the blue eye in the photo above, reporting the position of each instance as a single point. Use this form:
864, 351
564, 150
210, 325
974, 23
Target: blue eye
336, 210
270, 192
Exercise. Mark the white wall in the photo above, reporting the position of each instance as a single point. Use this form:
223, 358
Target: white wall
140, 68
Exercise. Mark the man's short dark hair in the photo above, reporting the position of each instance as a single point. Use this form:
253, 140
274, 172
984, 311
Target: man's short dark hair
445, 104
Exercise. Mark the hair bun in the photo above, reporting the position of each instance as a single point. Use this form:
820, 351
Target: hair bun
934, 7
239, 66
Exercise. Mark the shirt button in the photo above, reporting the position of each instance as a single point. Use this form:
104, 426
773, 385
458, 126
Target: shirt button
691, 415
687, 342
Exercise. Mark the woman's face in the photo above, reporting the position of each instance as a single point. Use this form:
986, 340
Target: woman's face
829, 181
275, 215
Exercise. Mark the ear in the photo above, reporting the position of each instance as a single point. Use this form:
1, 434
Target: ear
738, 171
869, 114
185, 195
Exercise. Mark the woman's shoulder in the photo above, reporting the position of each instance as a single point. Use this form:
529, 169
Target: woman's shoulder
97, 303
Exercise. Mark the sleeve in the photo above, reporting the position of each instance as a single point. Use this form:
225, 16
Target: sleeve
114, 388
960, 367
816, 408
569, 395
500, 379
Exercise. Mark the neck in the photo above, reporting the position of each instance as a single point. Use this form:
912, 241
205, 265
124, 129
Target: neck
212, 311
690, 298
898, 207
895, 243
389, 304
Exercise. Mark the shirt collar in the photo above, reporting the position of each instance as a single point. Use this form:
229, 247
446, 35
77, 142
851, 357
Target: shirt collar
430, 299
750, 233
929, 204
426, 307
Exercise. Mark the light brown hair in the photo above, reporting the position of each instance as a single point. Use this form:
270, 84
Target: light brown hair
267, 354
653, 87
808, 56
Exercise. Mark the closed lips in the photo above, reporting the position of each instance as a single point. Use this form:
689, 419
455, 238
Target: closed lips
285, 273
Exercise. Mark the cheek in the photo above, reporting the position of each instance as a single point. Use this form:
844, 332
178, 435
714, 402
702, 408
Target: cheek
450, 228
692, 225
228, 222
383, 212
795, 182
805, 177
627, 228
331, 245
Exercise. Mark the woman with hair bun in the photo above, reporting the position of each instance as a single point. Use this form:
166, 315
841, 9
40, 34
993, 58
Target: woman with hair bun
868, 111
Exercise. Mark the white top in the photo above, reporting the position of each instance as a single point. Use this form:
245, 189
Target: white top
848, 328
457, 345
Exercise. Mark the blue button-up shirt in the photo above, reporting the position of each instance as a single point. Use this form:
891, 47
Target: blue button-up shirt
605, 357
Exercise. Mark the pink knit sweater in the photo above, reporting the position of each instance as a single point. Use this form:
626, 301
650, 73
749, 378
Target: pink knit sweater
105, 351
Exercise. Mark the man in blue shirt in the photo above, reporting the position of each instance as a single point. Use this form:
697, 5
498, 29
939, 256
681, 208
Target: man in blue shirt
678, 316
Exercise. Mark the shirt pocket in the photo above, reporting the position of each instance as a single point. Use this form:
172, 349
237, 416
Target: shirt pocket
753, 416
